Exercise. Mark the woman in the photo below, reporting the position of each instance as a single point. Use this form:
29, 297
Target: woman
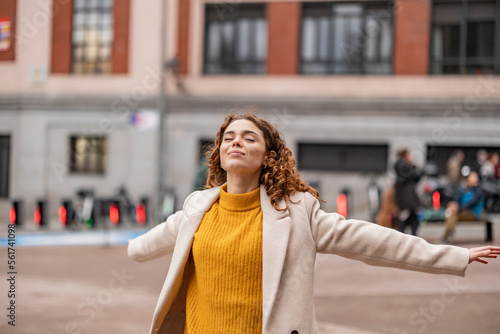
489, 169
407, 200
244, 249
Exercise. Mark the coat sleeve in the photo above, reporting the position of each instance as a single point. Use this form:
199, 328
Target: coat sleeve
158, 241
380, 246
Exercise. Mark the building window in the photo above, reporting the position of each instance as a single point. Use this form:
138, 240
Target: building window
465, 37
92, 36
347, 38
4, 166
441, 154
8, 16
343, 157
235, 39
205, 146
87, 154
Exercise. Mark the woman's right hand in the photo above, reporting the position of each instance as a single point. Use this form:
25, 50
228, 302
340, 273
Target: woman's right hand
476, 254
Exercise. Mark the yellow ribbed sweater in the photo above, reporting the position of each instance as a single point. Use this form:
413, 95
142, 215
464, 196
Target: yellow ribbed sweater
225, 268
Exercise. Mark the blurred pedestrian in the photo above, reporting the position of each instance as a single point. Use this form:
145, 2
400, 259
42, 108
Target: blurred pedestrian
407, 199
496, 162
244, 250
489, 169
388, 209
454, 168
467, 206
481, 156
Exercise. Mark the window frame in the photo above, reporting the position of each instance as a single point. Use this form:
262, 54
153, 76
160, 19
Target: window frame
61, 58
342, 165
362, 64
440, 154
8, 10
258, 67
5, 148
98, 170
464, 61
84, 27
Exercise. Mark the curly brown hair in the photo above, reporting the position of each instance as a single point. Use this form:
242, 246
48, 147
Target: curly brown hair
278, 175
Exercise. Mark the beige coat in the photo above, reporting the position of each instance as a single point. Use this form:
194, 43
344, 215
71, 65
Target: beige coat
291, 240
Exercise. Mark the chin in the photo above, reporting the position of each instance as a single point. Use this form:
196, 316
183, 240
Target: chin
242, 170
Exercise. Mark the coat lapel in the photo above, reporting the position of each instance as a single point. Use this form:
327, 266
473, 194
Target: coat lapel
195, 212
198, 206
275, 233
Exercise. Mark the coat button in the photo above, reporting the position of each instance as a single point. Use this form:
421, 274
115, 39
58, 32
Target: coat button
294, 332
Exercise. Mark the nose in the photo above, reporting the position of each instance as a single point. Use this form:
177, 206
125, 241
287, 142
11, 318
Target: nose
236, 142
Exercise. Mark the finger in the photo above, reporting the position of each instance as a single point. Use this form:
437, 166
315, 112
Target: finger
480, 250
491, 248
478, 257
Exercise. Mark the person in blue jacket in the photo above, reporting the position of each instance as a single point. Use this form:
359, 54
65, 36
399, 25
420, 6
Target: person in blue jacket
468, 205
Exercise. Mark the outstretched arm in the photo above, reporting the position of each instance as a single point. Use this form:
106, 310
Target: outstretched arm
158, 241
476, 254
380, 246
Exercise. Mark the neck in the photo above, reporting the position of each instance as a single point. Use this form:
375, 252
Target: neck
238, 184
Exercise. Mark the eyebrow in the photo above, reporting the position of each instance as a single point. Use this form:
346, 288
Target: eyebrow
244, 132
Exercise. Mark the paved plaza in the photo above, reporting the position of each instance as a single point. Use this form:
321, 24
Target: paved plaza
99, 290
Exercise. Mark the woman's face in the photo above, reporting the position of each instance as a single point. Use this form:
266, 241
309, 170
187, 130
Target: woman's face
409, 157
243, 148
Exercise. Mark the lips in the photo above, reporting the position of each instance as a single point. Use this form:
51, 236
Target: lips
236, 153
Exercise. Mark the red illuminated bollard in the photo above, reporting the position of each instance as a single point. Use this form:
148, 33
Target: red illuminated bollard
114, 213
39, 214
140, 213
342, 204
436, 200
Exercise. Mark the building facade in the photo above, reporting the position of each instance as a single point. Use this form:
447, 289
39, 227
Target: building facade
348, 83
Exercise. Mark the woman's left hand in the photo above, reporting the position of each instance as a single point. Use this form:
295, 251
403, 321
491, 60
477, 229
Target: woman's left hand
476, 254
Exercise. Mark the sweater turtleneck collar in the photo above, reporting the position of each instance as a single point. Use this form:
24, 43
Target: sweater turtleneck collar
239, 202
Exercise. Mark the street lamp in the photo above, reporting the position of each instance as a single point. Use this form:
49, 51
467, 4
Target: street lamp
162, 107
